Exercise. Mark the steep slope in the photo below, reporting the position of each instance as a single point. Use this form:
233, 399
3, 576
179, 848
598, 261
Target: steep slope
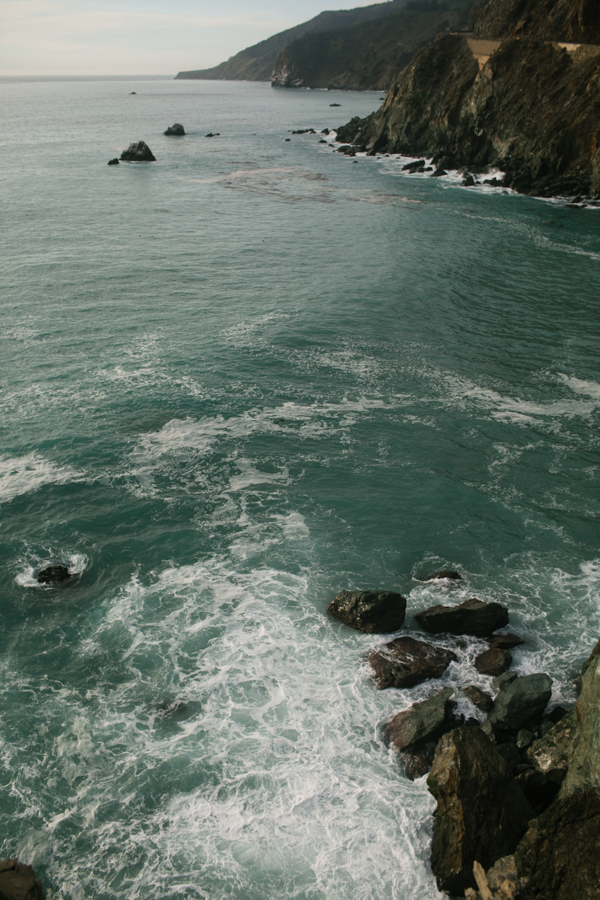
367, 56
577, 21
533, 110
256, 63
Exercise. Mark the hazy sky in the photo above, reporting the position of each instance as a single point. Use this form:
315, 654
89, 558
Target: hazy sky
139, 37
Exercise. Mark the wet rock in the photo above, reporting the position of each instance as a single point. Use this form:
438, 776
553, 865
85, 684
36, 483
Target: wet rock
474, 617
413, 166
520, 704
478, 698
304, 131
481, 814
335, 104
468, 181
53, 575
422, 722
416, 762
326, 131
373, 612
406, 662
216, 134
177, 129
113, 162
138, 152
322, 141
493, 661
450, 574
347, 149
558, 859
439, 172
502, 680
18, 882
551, 754
505, 641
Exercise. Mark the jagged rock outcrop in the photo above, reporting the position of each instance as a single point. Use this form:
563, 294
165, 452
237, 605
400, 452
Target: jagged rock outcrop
138, 152
584, 767
177, 129
374, 612
481, 813
577, 21
406, 662
520, 704
53, 575
366, 56
422, 722
474, 617
18, 882
533, 111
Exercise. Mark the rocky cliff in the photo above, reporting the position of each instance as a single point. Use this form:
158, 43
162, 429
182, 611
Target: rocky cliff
366, 56
532, 110
577, 21
256, 63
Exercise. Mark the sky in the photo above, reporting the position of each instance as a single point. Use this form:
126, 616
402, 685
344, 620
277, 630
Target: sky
139, 37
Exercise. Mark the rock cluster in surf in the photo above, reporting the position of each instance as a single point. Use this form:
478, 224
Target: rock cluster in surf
518, 794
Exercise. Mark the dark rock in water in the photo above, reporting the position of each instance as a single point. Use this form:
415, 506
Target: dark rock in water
113, 162
439, 172
335, 104
322, 141
416, 762
348, 149
478, 698
177, 129
450, 574
505, 641
287, 140
482, 812
138, 152
406, 662
422, 722
374, 612
493, 182
520, 704
53, 575
502, 680
558, 858
18, 882
305, 131
474, 617
216, 134
468, 181
493, 661
416, 164
326, 131
132, 92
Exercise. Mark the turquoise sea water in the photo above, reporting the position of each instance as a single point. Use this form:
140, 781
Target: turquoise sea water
235, 381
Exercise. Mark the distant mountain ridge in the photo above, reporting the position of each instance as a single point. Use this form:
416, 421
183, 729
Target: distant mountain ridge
256, 63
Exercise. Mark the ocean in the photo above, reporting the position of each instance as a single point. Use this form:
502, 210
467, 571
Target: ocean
234, 382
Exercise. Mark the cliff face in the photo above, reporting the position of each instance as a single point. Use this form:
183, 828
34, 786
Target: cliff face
577, 21
533, 110
256, 63
367, 56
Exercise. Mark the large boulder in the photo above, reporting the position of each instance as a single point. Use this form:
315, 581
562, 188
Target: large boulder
494, 661
138, 152
18, 882
584, 768
53, 575
474, 617
406, 662
374, 612
481, 813
422, 722
520, 704
177, 129
558, 858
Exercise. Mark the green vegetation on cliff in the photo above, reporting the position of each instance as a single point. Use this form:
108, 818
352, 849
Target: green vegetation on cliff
533, 110
367, 56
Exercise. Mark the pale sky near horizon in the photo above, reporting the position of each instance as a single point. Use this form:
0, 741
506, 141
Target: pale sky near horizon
139, 37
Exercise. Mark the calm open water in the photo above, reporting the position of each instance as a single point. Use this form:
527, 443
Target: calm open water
235, 381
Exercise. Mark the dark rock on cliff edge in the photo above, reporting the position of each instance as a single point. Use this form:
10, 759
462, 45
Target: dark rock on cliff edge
138, 152
481, 813
533, 111
18, 882
422, 722
177, 129
474, 617
406, 662
520, 704
53, 575
374, 612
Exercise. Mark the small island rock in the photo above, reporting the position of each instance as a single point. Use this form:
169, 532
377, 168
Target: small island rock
372, 612
113, 162
138, 152
53, 575
406, 662
474, 617
177, 129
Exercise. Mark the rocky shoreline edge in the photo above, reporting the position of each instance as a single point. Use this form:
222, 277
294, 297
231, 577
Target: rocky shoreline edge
518, 793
